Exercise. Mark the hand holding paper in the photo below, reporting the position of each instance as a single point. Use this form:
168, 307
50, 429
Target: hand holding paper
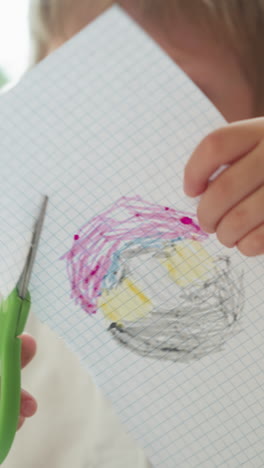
232, 204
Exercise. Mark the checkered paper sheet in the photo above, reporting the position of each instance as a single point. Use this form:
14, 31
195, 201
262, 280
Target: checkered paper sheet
106, 123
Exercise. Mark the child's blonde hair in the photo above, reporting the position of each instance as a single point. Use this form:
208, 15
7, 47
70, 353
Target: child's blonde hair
58, 20
238, 23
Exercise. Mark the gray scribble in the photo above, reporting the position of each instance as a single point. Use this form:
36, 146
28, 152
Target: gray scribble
205, 316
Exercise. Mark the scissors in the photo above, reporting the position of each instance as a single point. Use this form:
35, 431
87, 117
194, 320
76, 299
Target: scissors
13, 316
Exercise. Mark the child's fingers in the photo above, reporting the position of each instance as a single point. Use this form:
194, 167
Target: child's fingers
28, 407
223, 146
241, 220
28, 349
230, 188
252, 244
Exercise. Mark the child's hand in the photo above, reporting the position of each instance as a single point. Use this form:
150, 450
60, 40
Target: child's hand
232, 205
28, 403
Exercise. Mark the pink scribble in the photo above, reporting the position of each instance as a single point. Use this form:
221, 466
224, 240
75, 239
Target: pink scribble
128, 219
186, 220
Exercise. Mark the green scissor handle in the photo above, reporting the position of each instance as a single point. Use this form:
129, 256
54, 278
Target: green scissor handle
13, 315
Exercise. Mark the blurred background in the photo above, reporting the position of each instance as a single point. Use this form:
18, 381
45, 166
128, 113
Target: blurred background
14, 40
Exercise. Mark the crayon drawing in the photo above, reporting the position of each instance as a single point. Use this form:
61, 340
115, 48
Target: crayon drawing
145, 268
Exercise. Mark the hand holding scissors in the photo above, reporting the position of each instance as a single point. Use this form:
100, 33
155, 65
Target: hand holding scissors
13, 315
28, 405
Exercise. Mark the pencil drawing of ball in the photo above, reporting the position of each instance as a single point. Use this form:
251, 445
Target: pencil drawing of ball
145, 268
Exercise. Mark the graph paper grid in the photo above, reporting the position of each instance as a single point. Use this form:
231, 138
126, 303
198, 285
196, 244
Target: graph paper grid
106, 116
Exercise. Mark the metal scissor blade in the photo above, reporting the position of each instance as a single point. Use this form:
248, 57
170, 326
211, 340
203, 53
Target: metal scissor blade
24, 279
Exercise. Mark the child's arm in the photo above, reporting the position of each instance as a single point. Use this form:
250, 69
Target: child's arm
28, 403
232, 205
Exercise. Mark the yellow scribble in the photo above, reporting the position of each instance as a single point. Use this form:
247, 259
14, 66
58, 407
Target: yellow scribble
126, 301
187, 262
